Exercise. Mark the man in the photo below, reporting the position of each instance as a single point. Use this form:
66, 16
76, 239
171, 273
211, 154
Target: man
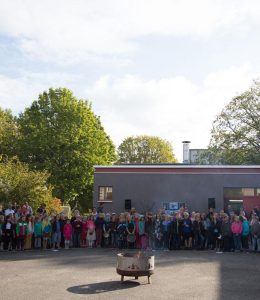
226, 233
100, 208
9, 210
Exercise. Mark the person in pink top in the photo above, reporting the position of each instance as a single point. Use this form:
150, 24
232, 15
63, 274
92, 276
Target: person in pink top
236, 229
91, 234
67, 233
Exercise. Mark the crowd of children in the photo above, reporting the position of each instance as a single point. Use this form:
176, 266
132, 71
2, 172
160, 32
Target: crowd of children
22, 229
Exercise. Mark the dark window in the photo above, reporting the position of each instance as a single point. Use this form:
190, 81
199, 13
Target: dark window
128, 204
211, 203
105, 194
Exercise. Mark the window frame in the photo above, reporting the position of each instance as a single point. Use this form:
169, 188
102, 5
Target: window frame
105, 200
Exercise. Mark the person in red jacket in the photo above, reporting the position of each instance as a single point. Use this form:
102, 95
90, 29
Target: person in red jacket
236, 229
67, 233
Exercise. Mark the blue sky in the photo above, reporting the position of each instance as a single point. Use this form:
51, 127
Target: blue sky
163, 68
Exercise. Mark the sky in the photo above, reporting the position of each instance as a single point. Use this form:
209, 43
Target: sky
165, 68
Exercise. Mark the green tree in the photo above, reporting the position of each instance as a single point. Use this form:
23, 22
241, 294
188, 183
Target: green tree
145, 150
235, 137
8, 133
61, 134
19, 184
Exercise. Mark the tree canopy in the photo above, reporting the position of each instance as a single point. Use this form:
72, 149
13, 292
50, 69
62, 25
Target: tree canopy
19, 184
235, 137
8, 133
145, 150
60, 133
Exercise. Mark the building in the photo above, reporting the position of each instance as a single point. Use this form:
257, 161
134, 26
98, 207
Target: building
194, 156
149, 187
198, 156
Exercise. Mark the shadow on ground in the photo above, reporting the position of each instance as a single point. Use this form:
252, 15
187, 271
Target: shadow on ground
102, 287
184, 274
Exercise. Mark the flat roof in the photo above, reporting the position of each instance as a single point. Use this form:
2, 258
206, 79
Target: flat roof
179, 168
184, 166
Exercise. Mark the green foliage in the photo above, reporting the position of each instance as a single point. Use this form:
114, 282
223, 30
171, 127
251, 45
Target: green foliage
145, 150
8, 133
236, 131
61, 134
19, 184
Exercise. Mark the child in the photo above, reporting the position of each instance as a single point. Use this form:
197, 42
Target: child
187, 231
21, 232
8, 233
106, 230
46, 230
67, 233
91, 232
28, 241
245, 233
84, 232
77, 229
149, 230
255, 232
37, 233
113, 227
121, 232
130, 228
158, 232
142, 236
236, 229
56, 232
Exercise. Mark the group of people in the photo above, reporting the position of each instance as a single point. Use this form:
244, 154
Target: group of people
21, 229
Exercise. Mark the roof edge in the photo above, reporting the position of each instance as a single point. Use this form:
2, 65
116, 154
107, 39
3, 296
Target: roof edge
178, 166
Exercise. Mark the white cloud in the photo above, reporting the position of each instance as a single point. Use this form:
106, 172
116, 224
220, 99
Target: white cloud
68, 31
17, 93
173, 108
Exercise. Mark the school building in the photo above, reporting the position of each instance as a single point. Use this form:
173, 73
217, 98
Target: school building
150, 187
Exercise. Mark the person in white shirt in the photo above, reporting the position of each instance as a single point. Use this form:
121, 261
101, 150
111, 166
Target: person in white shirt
9, 210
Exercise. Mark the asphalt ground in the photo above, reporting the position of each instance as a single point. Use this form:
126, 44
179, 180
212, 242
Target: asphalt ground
91, 274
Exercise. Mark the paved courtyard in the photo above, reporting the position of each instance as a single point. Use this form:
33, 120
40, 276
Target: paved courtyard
90, 274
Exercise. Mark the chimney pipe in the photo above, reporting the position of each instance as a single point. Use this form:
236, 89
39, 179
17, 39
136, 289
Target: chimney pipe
186, 152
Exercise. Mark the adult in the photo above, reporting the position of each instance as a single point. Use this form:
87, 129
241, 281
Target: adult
42, 209
9, 211
99, 222
100, 208
226, 233
29, 208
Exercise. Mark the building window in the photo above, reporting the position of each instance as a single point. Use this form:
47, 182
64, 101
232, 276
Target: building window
105, 194
238, 192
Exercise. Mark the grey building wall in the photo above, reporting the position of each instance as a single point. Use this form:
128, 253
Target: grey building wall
149, 191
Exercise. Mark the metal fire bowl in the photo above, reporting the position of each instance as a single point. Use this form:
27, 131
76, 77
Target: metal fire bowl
135, 265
